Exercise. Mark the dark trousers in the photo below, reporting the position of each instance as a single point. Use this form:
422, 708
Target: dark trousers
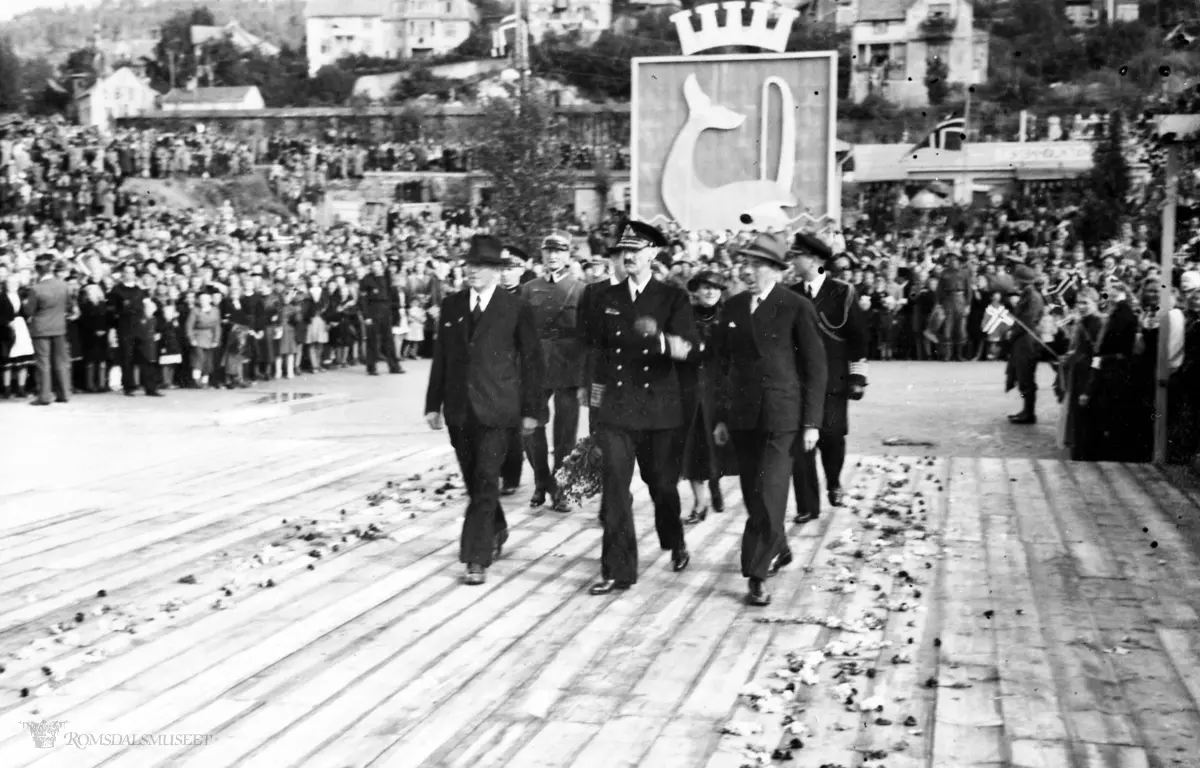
807, 482
126, 347
381, 342
480, 450
657, 456
148, 374
53, 361
764, 464
514, 458
565, 428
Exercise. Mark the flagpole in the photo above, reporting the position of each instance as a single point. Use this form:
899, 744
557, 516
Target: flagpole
967, 194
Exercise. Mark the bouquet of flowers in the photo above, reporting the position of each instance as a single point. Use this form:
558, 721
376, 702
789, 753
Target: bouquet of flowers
580, 476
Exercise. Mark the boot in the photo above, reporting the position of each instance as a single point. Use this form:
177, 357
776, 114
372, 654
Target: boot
946, 348
1028, 414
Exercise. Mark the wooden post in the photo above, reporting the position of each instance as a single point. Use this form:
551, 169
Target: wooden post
1165, 302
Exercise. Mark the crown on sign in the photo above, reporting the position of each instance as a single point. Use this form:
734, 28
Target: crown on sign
735, 31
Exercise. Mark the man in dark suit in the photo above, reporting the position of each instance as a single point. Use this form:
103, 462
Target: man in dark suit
843, 327
125, 305
46, 309
379, 303
555, 300
771, 385
487, 378
637, 332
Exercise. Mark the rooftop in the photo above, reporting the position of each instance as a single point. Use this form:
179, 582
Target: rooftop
208, 95
343, 8
883, 10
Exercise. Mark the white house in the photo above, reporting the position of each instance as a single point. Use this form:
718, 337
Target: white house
893, 41
1084, 13
233, 32
415, 28
246, 97
119, 94
562, 17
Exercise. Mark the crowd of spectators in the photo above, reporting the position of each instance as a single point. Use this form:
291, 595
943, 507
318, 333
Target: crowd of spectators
234, 301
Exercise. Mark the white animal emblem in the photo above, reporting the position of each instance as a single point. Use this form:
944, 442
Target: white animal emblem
758, 203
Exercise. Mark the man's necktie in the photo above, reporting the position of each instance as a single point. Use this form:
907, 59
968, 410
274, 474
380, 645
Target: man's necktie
477, 312
636, 294
808, 290
754, 304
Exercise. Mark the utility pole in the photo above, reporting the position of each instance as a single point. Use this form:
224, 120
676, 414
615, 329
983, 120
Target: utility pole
521, 54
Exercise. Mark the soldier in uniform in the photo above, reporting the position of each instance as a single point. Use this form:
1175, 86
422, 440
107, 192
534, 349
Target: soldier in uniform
555, 298
953, 287
1024, 350
843, 327
514, 458
380, 306
637, 332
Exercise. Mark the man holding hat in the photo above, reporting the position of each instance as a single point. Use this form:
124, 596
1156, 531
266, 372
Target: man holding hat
771, 385
486, 379
555, 298
1025, 350
843, 327
637, 331
46, 308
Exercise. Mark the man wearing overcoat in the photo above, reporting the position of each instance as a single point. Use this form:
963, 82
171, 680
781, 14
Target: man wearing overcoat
638, 331
555, 298
486, 379
1026, 349
771, 386
843, 327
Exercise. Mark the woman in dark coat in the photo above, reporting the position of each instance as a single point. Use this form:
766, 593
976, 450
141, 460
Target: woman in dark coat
1111, 430
93, 338
704, 463
1075, 427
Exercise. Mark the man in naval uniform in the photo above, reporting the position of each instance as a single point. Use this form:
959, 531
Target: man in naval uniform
637, 332
843, 328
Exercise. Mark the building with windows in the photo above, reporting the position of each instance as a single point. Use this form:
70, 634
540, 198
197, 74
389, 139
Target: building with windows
123, 93
895, 42
1084, 13
391, 29
562, 17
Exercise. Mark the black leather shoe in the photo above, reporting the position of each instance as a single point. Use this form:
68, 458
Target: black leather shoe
757, 594
508, 490
782, 560
40, 402
155, 393
394, 371
836, 496
697, 516
559, 504
372, 373
475, 575
805, 518
498, 550
1022, 418
607, 586
718, 502
680, 559
538, 498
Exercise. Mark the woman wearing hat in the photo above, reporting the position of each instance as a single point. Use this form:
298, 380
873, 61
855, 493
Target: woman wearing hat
704, 462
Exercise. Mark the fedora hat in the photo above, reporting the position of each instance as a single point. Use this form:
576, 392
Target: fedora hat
807, 244
1024, 274
707, 277
767, 247
485, 251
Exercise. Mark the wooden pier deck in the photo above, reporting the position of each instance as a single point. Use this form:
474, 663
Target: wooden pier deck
965, 612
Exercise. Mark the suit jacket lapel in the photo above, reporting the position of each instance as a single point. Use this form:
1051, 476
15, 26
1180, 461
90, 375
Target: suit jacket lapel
747, 316
489, 311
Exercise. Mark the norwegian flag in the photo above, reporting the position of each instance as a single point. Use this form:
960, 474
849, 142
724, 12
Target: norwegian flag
947, 136
996, 320
500, 35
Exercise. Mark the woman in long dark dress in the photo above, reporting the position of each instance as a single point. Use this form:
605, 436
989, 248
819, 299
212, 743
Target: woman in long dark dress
1075, 370
1111, 428
704, 463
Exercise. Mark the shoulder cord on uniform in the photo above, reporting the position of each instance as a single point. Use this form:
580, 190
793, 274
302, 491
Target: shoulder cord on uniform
829, 327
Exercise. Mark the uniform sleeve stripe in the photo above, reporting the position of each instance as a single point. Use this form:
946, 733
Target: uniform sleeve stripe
859, 368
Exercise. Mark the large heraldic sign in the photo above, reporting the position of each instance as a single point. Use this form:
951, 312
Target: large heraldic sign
734, 142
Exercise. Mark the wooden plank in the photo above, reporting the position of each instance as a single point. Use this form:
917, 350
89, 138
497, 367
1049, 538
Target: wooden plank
349, 689
554, 746
1027, 753
72, 594
1092, 556
440, 717
963, 584
1183, 648
682, 744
